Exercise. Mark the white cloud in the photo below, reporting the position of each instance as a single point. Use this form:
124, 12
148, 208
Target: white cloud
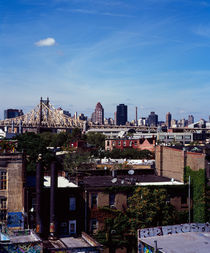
45, 42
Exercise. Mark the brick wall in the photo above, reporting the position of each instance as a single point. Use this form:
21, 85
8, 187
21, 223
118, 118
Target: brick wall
170, 162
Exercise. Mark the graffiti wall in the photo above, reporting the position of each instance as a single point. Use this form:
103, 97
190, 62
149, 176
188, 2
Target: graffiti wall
22, 248
15, 219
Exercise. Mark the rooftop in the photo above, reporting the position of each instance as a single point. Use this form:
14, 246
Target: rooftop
120, 180
191, 242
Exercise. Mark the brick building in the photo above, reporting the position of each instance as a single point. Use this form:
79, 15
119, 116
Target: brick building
98, 194
11, 185
170, 161
140, 144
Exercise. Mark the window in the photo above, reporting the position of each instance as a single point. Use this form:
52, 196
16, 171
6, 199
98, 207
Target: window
3, 180
124, 143
187, 137
72, 227
184, 199
94, 197
130, 143
108, 143
119, 143
93, 226
111, 199
3, 209
72, 203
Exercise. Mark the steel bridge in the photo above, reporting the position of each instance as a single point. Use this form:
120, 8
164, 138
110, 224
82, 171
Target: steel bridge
43, 116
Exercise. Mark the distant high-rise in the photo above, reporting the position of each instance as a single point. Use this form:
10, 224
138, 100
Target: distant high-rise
98, 115
168, 119
12, 113
153, 119
190, 119
122, 114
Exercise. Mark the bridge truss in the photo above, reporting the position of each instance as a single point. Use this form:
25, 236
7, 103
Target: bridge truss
44, 115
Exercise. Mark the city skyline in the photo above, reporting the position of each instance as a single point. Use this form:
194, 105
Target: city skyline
99, 113
150, 54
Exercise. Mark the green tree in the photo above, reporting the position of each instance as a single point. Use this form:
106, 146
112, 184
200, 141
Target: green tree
75, 162
148, 207
32, 145
129, 153
96, 139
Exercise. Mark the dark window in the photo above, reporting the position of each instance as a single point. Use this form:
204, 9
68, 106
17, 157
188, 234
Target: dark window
3, 209
184, 199
3, 180
94, 197
72, 203
93, 225
111, 199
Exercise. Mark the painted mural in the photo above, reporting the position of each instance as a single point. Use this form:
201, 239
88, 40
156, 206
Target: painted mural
15, 219
23, 248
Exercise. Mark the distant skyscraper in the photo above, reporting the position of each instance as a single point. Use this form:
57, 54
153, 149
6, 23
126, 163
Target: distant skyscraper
168, 119
136, 116
98, 115
122, 114
12, 113
153, 119
190, 119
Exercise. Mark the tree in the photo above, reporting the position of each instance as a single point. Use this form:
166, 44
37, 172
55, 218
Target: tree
74, 162
96, 139
32, 145
129, 153
148, 207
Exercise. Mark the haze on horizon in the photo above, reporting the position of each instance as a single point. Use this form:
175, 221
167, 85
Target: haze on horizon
153, 54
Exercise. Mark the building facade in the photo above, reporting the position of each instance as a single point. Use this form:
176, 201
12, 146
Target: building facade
98, 114
121, 114
12, 113
11, 187
153, 119
140, 144
168, 119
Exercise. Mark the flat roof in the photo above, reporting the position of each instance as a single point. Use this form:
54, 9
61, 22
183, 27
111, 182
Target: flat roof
25, 238
190, 242
72, 242
120, 180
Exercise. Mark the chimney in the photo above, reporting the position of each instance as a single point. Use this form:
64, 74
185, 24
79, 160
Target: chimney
53, 187
39, 188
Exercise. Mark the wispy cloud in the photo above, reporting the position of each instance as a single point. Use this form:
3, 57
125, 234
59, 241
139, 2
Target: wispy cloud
95, 12
203, 31
45, 42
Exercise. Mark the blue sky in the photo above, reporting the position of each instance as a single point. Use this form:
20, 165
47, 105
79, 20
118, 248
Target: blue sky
154, 54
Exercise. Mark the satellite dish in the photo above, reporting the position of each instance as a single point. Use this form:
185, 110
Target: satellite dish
131, 172
114, 180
